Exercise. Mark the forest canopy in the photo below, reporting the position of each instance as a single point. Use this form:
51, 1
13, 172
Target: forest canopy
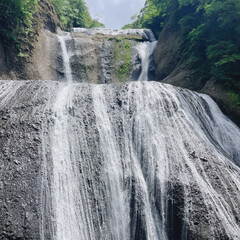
14, 14
74, 13
210, 34
17, 15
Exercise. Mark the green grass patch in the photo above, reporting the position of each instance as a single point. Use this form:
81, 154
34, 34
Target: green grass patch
122, 55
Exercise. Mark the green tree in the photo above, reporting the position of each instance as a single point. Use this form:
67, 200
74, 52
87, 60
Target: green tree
13, 14
74, 13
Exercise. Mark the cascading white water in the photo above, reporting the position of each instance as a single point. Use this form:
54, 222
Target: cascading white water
128, 161
147, 34
140, 160
145, 51
131, 148
220, 129
119, 151
118, 209
65, 183
66, 199
66, 60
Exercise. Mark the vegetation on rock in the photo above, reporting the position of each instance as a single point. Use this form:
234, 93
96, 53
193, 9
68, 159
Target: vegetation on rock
15, 17
235, 98
123, 53
210, 35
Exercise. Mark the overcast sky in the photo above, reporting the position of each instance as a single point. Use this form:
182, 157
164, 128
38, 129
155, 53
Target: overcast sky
114, 13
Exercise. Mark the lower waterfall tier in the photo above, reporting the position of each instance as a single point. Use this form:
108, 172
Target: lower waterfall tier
139, 161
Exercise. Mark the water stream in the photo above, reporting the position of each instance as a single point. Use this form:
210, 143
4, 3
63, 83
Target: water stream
145, 51
139, 160
150, 138
66, 59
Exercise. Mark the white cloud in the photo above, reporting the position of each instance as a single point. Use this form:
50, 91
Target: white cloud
114, 13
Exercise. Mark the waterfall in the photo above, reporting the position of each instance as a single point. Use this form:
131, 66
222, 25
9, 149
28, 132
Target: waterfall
145, 51
120, 152
118, 210
141, 157
137, 160
66, 60
66, 199
146, 34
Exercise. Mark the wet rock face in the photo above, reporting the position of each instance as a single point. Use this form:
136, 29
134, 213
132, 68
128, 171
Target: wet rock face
21, 178
77, 159
96, 57
137, 65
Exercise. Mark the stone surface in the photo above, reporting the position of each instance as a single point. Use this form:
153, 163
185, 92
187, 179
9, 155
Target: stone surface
153, 151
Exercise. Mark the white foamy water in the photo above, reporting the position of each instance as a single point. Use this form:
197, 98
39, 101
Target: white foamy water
114, 164
128, 159
135, 161
65, 55
124, 161
145, 33
145, 50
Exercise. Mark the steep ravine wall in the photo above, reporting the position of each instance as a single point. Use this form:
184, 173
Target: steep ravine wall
35, 61
170, 68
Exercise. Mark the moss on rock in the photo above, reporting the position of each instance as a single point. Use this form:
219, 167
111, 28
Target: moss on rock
122, 56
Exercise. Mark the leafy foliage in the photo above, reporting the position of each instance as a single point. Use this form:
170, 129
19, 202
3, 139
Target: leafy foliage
13, 14
74, 13
211, 34
16, 18
214, 40
235, 98
151, 16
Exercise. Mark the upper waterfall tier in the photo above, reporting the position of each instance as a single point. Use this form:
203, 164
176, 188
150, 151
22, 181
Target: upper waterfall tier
106, 56
146, 34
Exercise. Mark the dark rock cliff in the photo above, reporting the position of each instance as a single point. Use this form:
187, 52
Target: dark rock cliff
172, 69
114, 146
